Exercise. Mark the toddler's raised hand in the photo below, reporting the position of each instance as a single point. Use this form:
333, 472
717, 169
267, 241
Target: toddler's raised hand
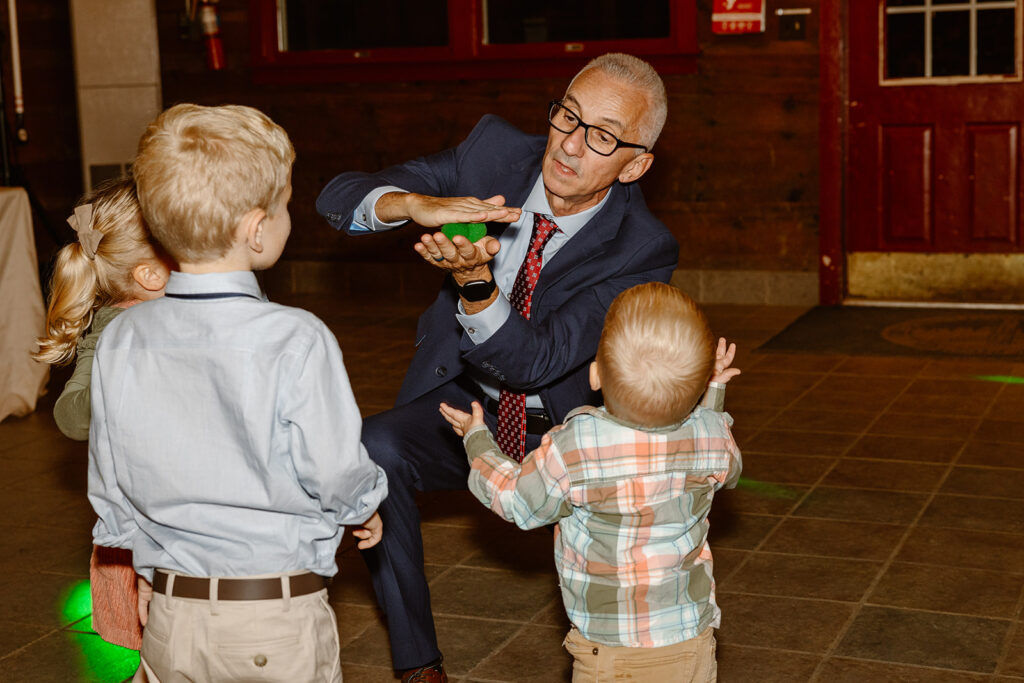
460, 420
724, 356
370, 531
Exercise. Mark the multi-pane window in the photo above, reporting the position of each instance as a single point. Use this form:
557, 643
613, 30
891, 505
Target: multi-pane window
339, 25
305, 25
539, 21
958, 39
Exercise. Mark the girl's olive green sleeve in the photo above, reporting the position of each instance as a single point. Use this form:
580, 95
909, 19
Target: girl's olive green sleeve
71, 412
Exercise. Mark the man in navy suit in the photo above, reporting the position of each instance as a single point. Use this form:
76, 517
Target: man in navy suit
473, 343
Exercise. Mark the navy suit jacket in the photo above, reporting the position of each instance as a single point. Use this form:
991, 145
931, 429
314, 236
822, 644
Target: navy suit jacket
621, 246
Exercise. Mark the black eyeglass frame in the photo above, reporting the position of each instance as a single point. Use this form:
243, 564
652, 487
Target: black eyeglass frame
619, 144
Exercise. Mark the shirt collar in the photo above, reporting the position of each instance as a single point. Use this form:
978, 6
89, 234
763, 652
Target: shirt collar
537, 202
235, 282
641, 428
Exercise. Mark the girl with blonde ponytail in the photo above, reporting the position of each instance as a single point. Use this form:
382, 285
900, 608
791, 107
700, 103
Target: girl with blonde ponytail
114, 263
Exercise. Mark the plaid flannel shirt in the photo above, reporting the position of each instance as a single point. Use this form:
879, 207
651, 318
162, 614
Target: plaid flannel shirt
631, 505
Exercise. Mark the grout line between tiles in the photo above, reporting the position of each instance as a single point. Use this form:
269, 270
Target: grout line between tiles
743, 562
813, 487
29, 644
898, 546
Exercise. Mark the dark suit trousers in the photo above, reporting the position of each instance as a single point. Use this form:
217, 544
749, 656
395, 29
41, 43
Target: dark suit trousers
418, 451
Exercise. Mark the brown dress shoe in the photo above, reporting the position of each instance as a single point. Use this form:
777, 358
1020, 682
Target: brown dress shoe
431, 673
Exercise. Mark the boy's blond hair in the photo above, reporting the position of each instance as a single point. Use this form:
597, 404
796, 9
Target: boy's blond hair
655, 356
201, 169
79, 284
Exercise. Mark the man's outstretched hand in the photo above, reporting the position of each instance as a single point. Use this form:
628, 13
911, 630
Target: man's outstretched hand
433, 212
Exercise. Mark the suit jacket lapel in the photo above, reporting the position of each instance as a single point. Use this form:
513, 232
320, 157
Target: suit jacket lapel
515, 185
585, 244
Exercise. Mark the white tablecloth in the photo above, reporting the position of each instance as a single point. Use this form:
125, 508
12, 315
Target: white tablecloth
22, 314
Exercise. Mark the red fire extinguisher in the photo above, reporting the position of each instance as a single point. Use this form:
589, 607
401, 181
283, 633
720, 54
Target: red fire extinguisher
210, 22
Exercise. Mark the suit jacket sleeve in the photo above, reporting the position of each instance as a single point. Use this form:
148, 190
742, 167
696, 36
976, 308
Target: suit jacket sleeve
436, 175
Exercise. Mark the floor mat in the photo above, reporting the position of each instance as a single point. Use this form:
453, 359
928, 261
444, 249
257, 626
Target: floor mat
884, 331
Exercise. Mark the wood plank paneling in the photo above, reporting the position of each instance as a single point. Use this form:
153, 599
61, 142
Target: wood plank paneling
735, 176
736, 169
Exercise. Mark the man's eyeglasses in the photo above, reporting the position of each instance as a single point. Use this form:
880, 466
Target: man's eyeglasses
565, 120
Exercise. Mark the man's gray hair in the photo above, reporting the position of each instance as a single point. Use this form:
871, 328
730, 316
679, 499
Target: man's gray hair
638, 73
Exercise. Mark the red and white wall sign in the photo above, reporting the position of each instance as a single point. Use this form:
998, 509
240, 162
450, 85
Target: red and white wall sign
738, 16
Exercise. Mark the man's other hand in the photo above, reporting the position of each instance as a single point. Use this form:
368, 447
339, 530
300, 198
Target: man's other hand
466, 260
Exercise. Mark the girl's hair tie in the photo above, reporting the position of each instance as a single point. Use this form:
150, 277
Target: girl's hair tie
81, 222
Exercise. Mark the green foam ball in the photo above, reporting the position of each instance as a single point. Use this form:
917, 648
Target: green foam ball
471, 231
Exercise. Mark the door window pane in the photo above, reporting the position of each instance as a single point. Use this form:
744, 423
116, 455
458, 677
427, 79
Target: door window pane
358, 24
951, 44
904, 46
996, 42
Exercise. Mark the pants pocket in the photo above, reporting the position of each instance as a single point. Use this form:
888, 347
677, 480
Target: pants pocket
280, 659
584, 664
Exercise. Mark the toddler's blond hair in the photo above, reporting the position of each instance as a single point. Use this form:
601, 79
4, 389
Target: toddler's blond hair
80, 285
655, 356
201, 169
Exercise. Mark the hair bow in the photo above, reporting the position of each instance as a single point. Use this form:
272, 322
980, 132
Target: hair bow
81, 222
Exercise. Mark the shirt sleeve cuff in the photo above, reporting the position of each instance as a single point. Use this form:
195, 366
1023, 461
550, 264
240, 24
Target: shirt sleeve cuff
480, 326
478, 441
365, 217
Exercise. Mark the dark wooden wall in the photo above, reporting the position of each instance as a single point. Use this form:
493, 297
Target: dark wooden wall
735, 176
48, 164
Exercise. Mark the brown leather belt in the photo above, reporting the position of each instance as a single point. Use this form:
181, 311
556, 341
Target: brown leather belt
198, 588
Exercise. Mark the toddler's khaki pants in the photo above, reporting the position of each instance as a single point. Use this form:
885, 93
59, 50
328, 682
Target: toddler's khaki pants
691, 660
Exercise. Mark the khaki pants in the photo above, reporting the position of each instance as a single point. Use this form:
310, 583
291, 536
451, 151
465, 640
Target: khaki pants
691, 660
287, 640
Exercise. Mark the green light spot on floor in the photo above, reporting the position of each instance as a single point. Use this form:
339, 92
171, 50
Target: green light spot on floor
76, 602
1005, 379
763, 489
99, 660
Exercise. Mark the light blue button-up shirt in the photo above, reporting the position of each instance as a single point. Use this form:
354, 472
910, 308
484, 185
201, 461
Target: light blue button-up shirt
225, 439
514, 241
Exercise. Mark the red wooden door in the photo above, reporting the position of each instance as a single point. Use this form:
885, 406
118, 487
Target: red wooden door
935, 111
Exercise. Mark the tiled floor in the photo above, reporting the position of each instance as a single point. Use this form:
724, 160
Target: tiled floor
877, 534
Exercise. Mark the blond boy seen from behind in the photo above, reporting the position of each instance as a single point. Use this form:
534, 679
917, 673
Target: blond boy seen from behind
630, 485
224, 447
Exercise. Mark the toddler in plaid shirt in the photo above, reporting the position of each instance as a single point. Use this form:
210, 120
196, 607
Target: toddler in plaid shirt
630, 485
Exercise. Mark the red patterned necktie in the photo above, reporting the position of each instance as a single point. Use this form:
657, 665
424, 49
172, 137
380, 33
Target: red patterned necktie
512, 406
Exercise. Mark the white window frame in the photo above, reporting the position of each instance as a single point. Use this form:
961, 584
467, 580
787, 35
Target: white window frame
928, 9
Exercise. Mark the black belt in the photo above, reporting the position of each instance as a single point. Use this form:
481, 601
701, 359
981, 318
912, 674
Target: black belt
198, 588
537, 421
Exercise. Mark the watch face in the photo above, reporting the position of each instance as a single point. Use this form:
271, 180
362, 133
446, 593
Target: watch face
477, 290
